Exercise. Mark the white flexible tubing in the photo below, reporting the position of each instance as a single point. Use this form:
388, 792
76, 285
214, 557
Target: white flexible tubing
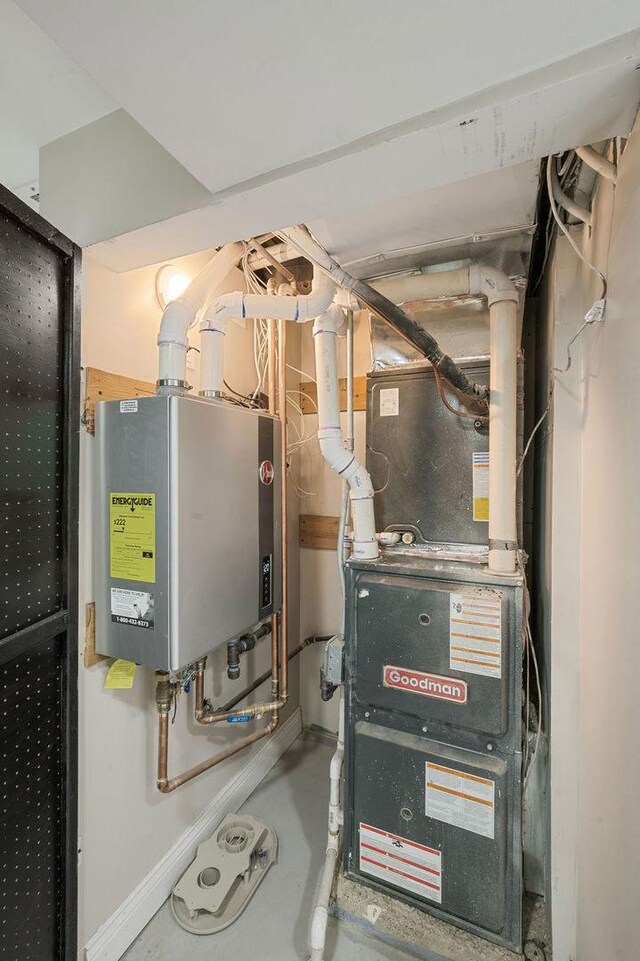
179, 315
561, 198
598, 163
503, 323
342, 461
320, 915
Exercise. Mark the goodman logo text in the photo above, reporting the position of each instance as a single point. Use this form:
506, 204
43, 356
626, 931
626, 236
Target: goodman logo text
430, 685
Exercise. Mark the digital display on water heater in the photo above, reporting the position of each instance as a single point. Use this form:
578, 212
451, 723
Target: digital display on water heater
266, 580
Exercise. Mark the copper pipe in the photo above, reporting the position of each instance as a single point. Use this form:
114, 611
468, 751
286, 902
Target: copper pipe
204, 715
163, 748
166, 785
199, 689
275, 674
282, 411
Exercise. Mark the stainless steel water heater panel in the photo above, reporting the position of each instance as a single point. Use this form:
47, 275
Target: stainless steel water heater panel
187, 526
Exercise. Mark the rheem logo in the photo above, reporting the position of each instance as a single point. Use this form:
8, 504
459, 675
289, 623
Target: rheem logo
267, 472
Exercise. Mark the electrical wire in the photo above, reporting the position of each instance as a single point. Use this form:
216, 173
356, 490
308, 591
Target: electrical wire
249, 401
303, 373
531, 652
260, 327
563, 370
533, 433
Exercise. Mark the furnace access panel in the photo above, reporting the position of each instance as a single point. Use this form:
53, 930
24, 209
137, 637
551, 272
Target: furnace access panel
433, 761
187, 515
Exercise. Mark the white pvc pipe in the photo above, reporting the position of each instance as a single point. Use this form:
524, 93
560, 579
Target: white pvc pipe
179, 315
341, 460
503, 322
427, 286
325, 332
598, 163
236, 305
212, 361
502, 298
320, 915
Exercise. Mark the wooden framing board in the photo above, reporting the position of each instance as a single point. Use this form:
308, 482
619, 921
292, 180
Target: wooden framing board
102, 385
309, 403
319, 531
91, 656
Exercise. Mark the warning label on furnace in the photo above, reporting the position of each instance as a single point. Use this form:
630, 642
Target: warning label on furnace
461, 799
475, 633
481, 486
132, 607
132, 536
406, 864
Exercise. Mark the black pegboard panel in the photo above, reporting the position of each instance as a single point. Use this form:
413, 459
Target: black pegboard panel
31, 428
39, 423
32, 760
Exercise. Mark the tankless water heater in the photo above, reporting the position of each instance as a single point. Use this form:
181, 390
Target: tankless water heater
187, 526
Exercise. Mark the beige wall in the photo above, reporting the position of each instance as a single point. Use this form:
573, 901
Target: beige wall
593, 569
608, 864
125, 824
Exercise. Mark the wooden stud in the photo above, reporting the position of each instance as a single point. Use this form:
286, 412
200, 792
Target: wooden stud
102, 385
319, 531
309, 403
91, 656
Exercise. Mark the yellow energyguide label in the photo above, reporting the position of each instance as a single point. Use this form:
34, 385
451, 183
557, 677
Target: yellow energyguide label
480, 472
132, 536
481, 508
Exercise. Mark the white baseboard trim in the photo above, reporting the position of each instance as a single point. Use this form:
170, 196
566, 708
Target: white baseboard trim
119, 931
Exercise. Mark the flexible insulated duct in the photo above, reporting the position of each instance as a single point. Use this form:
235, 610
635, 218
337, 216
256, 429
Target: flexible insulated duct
395, 316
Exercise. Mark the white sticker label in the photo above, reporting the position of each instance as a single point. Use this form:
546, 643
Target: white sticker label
390, 402
132, 607
406, 864
128, 406
475, 634
461, 799
481, 486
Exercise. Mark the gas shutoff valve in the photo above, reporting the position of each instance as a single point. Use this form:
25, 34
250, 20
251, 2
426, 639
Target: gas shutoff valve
332, 670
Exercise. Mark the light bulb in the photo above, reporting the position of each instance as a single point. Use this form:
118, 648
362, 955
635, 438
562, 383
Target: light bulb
171, 282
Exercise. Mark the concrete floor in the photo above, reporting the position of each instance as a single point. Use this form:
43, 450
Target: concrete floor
274, 927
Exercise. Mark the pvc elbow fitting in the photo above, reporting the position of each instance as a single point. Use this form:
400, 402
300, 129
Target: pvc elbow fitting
491, 283
228, 307
176, 321
322, 294
331, 321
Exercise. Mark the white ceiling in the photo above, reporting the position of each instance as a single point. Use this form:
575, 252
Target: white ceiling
43, 95
355, 117
498, 200
235, 91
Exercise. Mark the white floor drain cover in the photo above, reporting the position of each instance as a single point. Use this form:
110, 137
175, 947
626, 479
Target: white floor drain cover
216, 887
